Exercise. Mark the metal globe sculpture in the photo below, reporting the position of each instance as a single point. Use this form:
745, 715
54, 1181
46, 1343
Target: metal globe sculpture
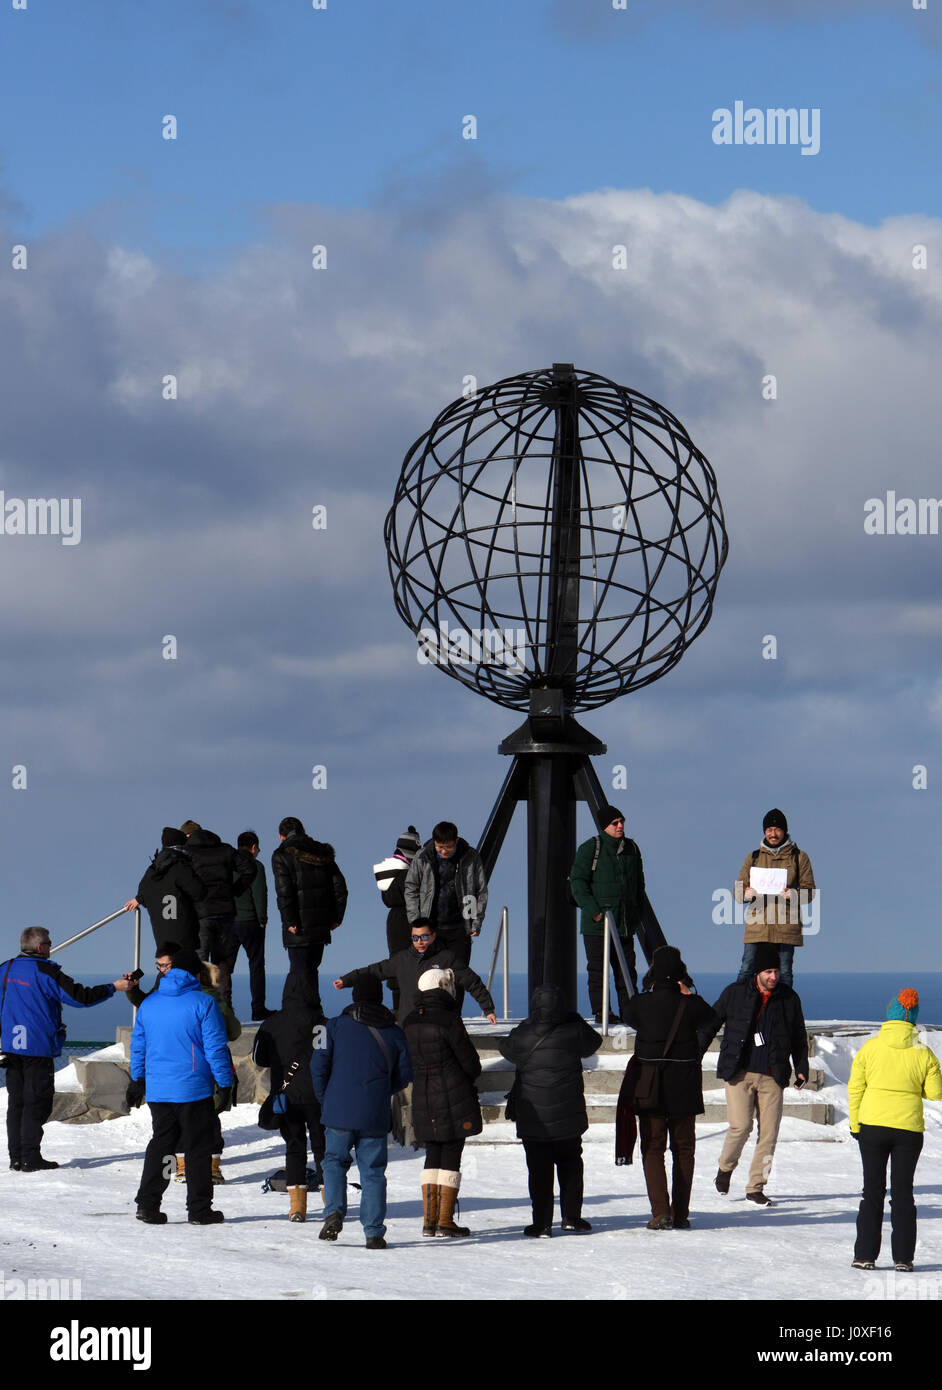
555, 531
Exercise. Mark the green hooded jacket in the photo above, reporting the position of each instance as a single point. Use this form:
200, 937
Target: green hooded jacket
617, 883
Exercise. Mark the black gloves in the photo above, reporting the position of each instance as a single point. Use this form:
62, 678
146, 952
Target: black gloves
135, 1093
223, 1099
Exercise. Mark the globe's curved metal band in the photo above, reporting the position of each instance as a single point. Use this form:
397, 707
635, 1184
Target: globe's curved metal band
555, 529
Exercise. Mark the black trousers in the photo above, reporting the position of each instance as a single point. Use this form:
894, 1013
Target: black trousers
445, 1156
458, 940
185, 1127
901, 1147
30, 1092
298, 1123
566, 1156
305, 960
594, 946
216, 940
251, 936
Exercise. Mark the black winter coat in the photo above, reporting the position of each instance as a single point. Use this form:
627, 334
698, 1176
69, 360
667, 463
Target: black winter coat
288, 1036
223, 871
170, 891
445, 1103
783, 1027
652, 1015
550, 1093
311, 890
405, 967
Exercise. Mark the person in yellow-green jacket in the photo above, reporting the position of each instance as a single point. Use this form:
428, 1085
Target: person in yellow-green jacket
890, 1077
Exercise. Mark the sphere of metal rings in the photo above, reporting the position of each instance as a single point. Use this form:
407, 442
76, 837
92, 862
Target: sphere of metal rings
522, 557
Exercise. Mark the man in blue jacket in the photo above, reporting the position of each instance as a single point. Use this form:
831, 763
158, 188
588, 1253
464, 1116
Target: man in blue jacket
178, 1048
360, 1061
33, 989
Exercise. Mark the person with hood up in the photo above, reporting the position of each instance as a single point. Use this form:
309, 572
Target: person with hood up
890, 1077
665, 1019
548, 1105
390, 880
359, 1062
445, 1106
285, 1044
225, 873
170, 890
178, 1053
312, 897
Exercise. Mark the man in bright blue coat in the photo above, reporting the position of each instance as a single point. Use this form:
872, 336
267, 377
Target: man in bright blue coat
178, 1050
360, 1061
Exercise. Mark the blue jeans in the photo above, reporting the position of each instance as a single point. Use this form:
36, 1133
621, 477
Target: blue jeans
371, 1161
747, 969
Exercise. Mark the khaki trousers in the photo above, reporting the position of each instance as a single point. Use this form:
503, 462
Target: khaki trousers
749, 1093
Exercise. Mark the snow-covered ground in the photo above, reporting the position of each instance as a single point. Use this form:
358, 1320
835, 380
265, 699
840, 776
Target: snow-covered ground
77, 1223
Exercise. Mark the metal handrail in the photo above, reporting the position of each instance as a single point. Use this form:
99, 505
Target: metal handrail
104, 922
611, 937
503, 938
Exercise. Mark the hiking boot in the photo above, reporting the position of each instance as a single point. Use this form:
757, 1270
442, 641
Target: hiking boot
260, 1015
759, 1197
538, 1232
36, 1165
660, 1223
180, 1174
298, 1210
578, 1224
332, 1226
903, 1267
15, 1165
865, 1264
150, 1217
206, 1218
375, 1243
680, 1223
217, 1171
721, 1181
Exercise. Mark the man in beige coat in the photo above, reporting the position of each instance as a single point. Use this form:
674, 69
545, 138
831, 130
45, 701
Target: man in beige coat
777, 881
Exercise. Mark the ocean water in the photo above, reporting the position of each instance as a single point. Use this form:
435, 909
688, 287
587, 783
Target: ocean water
845, 996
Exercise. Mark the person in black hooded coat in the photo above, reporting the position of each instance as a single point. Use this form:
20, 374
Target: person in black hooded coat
445, 1106
170, 890
547, 1050
312, 897
678, 1096
285, 1038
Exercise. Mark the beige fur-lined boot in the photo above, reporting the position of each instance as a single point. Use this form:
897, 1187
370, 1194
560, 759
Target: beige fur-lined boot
298, 1196
449, 1182
217, 1171
180, 1175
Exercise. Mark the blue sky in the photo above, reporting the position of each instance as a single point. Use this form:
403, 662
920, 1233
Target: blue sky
447, 256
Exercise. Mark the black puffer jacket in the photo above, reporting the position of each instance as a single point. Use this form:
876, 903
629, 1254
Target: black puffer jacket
550, 1094
783, 1027
223, 870
652, 1016
288, 1036
405, 967
445, 1062
170, 890
311, 890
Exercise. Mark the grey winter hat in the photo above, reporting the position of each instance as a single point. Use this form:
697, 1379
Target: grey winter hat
409, 843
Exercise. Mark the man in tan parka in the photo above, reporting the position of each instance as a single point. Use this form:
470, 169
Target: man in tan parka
777, 881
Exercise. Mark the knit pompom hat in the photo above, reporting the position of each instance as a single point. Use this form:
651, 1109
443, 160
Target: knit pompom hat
438, 979
905, 1006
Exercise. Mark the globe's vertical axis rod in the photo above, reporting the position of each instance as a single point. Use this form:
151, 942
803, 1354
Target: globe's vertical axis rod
551, 809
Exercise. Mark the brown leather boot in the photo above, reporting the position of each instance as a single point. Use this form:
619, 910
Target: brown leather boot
431, 1192
217, 1171
449, 1182
180, 1175
298, 1211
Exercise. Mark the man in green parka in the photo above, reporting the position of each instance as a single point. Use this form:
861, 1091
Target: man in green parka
607, 873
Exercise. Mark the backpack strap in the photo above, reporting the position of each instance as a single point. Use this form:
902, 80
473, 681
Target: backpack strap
598, 851
382, 1047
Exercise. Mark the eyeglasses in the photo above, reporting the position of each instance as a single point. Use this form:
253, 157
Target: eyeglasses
426, 937
619, 820
162, 965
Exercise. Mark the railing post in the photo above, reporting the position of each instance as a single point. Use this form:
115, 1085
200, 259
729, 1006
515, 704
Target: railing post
505, 937
137, 954
606, 962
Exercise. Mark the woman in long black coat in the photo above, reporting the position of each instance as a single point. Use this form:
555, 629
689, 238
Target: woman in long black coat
547, 1050
445, 1107
670, 1111
284, 1039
